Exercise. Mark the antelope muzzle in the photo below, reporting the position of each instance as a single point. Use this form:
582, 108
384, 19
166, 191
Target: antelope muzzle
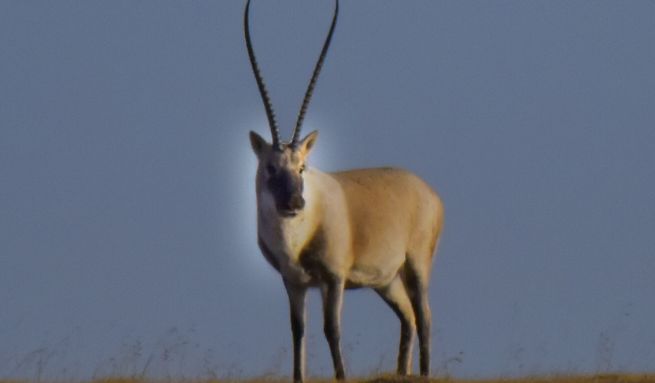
287, 190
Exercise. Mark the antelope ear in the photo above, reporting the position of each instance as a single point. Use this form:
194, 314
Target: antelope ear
258, 143
308, 142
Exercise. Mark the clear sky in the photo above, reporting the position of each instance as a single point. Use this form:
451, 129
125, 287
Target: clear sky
127, 218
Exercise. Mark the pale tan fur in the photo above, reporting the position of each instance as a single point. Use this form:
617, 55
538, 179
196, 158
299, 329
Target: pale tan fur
374, 228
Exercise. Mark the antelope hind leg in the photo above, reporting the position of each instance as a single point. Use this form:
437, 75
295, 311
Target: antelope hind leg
395, 295
417, 285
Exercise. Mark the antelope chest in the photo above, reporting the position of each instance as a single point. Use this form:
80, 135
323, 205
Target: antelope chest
293, 247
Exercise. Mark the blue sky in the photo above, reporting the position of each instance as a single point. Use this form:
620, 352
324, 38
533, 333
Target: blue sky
127, 218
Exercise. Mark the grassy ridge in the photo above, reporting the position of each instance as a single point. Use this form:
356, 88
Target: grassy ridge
604, 378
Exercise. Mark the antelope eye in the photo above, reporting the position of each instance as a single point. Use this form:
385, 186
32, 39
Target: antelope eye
271, 170
302, 169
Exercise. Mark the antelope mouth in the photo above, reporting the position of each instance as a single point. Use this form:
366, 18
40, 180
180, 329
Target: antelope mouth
288, 213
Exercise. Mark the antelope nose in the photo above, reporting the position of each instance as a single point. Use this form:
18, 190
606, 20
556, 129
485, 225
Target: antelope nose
297, 202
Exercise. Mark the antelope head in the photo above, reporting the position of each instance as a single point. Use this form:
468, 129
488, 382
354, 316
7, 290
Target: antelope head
280, 171
282, 164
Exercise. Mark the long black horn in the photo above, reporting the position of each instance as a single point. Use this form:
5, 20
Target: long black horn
312, 82
275, 132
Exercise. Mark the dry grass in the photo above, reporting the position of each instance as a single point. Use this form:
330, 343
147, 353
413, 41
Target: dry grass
604, 378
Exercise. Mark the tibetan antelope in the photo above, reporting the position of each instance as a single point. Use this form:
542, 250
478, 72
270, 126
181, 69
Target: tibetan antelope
374, 228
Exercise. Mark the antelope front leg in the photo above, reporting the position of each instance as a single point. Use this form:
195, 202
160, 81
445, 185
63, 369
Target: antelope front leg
297, 310
332, 292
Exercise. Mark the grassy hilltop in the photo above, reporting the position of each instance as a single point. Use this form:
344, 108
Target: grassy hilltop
603, 378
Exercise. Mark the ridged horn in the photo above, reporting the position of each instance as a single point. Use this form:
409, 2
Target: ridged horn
275, 132
312, 81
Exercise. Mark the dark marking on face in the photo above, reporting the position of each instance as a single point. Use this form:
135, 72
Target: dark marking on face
287, 188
